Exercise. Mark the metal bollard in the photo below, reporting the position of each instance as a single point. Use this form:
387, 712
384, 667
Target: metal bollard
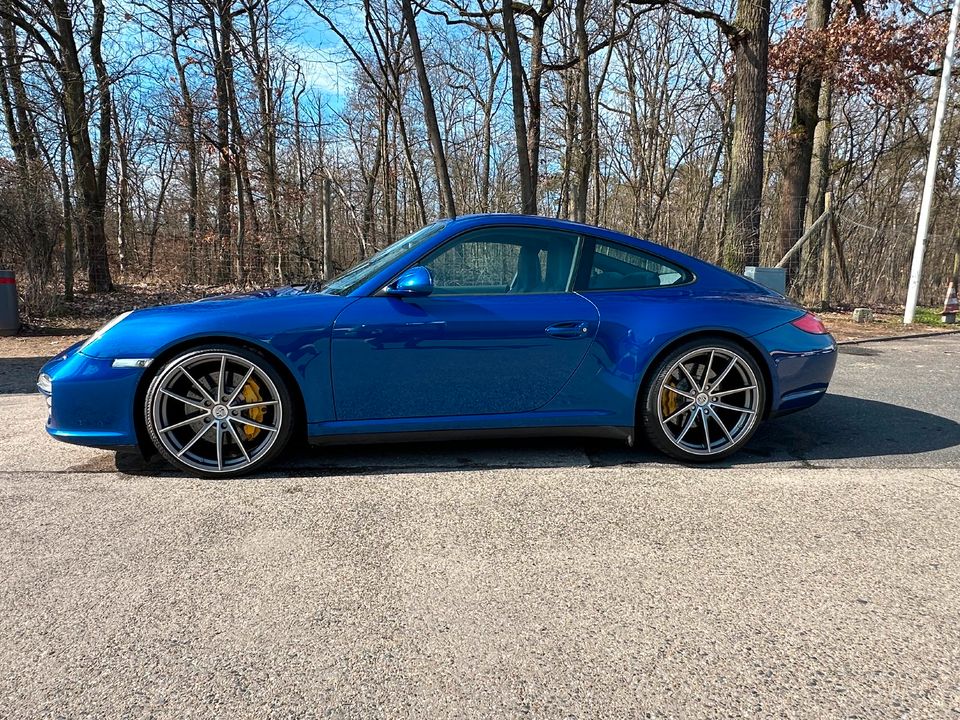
9, 312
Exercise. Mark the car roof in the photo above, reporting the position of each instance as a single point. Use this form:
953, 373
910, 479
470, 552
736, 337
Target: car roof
518, 219
494, 219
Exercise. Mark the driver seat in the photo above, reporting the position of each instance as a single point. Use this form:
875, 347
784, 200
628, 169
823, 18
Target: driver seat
528, 278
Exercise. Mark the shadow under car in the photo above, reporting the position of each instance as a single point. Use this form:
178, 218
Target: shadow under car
839, 427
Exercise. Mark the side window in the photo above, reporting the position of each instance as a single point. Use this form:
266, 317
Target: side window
618, 267
494, 261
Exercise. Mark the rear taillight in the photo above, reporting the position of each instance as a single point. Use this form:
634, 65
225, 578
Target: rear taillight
810, 323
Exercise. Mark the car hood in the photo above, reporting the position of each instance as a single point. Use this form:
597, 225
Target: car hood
263, 294
261, 317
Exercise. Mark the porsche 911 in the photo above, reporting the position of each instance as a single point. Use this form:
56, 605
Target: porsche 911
474, 326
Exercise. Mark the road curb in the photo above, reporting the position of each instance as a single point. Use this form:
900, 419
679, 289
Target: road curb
887, 338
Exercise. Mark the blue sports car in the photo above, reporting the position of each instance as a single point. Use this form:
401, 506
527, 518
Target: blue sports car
489, 324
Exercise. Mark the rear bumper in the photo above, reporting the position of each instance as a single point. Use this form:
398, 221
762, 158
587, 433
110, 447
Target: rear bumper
90, 402
801, 366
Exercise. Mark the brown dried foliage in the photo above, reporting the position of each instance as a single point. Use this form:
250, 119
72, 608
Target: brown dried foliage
881, 55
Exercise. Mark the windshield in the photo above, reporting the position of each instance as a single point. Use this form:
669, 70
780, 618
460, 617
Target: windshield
366, 269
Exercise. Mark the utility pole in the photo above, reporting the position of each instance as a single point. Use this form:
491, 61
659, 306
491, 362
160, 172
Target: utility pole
916, 269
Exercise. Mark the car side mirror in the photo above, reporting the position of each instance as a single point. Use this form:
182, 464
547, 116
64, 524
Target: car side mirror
413, 282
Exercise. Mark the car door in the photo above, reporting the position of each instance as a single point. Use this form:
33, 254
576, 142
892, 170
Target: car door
500, 332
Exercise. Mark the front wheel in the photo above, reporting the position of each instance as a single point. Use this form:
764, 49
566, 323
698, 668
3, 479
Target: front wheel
218, 411
704, 401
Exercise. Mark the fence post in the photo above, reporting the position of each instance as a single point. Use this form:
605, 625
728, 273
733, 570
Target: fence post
827, 259
803, 239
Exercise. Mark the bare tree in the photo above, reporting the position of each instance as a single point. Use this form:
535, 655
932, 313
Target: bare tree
429, 112
50, 26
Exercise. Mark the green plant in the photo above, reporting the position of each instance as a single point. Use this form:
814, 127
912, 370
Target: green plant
927, 316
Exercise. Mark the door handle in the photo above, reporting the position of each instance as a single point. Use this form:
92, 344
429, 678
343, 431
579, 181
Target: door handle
568, 330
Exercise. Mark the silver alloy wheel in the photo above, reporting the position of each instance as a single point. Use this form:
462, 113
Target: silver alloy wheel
708, 401
216, 412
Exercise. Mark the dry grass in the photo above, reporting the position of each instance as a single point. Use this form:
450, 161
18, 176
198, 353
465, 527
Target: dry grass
886, 323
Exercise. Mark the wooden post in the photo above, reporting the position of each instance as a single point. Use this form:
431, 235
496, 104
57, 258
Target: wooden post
326, 201
803, 239
827, 259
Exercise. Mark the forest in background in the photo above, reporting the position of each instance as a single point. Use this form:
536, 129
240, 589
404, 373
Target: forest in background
234, 143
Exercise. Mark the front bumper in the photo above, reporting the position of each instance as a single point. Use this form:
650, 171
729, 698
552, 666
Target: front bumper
802, 365
91, 401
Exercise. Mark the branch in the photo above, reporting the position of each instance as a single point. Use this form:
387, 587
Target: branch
27, 11
34, 35
910, 6
572, 62
346, 42
733, 33
468, 18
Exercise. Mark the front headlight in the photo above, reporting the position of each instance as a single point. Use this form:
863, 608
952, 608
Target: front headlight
44, 384
99, 333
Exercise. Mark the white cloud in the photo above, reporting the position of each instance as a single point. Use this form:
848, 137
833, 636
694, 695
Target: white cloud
324, 69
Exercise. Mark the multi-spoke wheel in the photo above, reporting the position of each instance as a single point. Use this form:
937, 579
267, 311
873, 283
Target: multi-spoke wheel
704, 401
218, 411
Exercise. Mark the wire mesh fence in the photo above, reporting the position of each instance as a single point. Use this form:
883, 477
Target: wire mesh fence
870, 255
214, 262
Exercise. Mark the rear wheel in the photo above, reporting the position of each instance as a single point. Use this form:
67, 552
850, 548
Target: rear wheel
218, 411
704, 401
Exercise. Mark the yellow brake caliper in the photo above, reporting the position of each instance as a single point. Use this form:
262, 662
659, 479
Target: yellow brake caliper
251, 394
669, 402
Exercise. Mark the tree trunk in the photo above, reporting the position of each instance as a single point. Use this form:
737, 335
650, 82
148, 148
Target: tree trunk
712, 176
565, 200
90, 177
742, 246
412, 169
30, 218
367, 222
224, 171
448, 206
123, 195
189, 129
246, 205
67, 205
583, 152
800, 138
535, 123
261, 69
99, 268
155, 222
327, 230
528, 191
487, 142
819, 177
20, 124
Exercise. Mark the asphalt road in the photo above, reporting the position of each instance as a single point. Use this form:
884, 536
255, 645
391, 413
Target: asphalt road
816, 575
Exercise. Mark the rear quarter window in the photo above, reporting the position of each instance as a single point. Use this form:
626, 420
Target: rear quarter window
613, 266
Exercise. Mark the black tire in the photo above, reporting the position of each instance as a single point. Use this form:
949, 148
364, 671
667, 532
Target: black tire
230, 419
677, 408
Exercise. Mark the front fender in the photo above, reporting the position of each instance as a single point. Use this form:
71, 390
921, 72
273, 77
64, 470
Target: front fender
294, 330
